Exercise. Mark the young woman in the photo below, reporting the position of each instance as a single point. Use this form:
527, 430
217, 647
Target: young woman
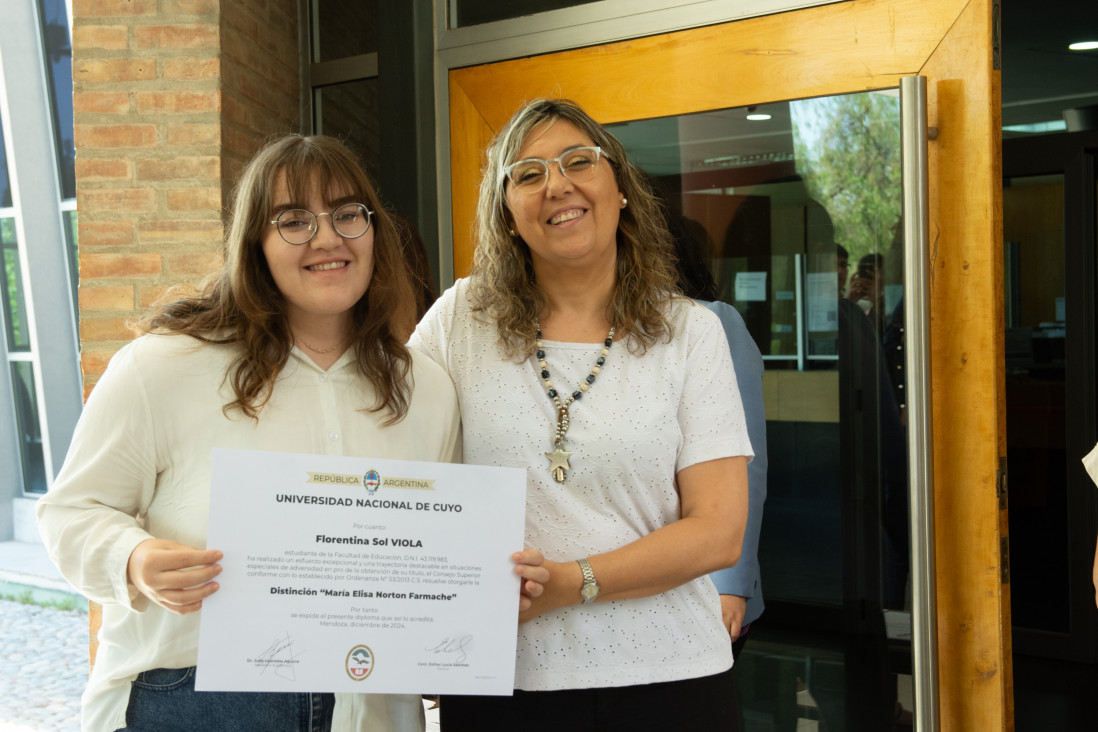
296, 345
574, 359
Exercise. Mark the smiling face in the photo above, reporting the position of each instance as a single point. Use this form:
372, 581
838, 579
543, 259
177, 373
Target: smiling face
566, 224
324, 278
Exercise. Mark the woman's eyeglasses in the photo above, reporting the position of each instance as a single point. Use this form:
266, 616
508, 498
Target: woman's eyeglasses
298, 225
530, 175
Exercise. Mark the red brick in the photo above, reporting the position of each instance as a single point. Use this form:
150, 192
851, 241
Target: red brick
186, 231
179, 168
95, 266
94, 362
89, 70
176, 36
189, 69
109, 37
111, 136
193, 263
105, 233
154, 295
118, 200
101, 102
105, 329
106, 298
194, 199
118, 8
97, 169
189, 7
187, 135
177, 102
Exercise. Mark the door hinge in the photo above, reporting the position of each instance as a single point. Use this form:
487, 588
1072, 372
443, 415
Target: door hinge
1004, 559
1001, 483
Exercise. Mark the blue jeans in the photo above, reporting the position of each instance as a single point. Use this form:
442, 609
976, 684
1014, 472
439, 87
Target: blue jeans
164, 700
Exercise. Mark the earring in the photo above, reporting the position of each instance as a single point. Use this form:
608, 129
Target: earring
624, 201
511, 232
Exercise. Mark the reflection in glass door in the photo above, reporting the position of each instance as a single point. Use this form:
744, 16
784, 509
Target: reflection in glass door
796, 209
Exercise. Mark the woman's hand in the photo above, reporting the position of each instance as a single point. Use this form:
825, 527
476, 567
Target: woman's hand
174, 576
733, 608
1095, 573
536, 572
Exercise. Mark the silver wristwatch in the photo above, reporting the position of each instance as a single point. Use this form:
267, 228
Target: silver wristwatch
590, 589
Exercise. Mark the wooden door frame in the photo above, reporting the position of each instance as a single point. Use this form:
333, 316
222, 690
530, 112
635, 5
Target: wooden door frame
825, 50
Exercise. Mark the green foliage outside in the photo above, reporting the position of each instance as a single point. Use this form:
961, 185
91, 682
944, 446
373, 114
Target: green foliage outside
848, 153
68, 603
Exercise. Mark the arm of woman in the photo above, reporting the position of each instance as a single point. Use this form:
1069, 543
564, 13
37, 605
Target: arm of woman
89, 518
707, 537
740, 584
1094, 573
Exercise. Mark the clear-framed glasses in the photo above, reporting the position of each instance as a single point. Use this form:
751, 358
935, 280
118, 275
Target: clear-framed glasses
578, 164
298, 225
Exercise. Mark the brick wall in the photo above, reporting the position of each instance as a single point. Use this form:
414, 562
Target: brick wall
170, 98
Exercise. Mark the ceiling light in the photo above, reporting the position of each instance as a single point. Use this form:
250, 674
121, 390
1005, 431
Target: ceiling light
755, 116
1084, 46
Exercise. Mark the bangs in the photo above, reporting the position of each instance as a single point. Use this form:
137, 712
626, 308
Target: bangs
311, 163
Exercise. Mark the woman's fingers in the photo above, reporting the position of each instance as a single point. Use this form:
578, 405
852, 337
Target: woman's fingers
182, 602
173, 575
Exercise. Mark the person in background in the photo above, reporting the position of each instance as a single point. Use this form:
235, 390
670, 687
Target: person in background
297, 345
867, 288
740, 587
574, 359
1090, 462
842, 265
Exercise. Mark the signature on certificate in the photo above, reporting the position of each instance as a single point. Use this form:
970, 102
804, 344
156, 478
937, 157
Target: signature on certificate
454, 647
279, 657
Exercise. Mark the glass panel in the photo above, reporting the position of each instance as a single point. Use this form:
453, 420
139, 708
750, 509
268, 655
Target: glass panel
15, 309
797, 214
5, 180
73, 251
1036, 329
344, 28
28, 427
474, 12
350, 112
58, 49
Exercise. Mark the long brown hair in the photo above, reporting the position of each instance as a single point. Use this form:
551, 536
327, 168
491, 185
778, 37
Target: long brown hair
502, 284
242, 304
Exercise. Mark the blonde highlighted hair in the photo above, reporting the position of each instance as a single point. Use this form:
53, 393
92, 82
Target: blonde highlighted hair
503, 286
242, 305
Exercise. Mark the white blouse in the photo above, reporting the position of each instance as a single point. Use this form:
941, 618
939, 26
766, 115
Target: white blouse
139, 467
644, 419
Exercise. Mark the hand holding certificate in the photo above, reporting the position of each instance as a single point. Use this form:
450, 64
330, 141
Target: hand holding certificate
361, 575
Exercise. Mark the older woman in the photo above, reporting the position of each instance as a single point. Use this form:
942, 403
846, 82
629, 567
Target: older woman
574, 359
297, 345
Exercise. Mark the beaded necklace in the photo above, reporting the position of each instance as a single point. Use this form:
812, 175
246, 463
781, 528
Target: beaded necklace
558, 459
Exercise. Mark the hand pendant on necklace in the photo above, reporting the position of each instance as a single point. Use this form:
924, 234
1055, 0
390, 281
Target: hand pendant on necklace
558, 460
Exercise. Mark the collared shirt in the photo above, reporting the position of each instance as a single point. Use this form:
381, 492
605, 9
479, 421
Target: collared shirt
139, 467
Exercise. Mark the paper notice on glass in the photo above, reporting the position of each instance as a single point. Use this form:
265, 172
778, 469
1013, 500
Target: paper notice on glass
751, 286
823, 301
346, 574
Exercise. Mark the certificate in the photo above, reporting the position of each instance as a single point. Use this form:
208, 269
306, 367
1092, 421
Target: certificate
348, 574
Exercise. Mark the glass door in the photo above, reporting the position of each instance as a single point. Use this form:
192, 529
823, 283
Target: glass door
772, 205
795, 210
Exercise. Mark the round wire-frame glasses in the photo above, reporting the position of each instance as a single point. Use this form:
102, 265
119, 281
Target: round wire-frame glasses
298, 226
530, 175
